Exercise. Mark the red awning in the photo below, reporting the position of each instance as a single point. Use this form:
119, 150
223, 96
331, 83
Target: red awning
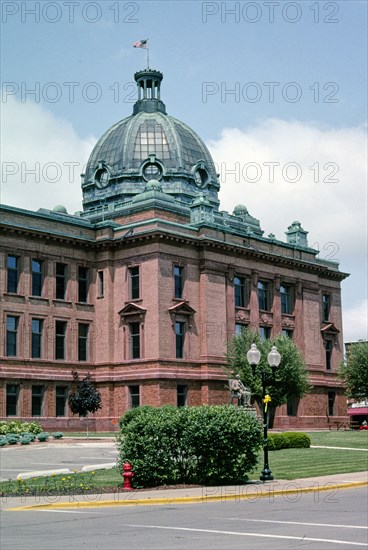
358, 411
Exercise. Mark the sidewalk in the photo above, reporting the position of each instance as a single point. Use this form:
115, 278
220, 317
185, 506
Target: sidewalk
328, 485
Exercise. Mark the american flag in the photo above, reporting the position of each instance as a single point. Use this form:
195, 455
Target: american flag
141, 44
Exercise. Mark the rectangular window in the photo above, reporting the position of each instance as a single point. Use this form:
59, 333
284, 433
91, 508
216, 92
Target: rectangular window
331, 403
287, 301
265, 333
11, 399
134, 396
61, 396
83, 277
134, 283
264, 295
60, 281
328, 351
60, 330
100, 283
181, 395
135, 340
292, 406
37, 278
288, 333
83, 341
326, 306
13, 274
11, 335
239, 328
37, 398
179, 339
178, 281
239, 291
37, 326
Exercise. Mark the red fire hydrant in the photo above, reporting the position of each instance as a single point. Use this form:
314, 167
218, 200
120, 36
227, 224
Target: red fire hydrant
127, 475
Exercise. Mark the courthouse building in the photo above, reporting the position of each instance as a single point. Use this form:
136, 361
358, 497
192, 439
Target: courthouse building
144, 287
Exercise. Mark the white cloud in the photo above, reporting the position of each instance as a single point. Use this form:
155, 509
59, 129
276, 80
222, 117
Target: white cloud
36, 140
330, 211
356, 322
334, 213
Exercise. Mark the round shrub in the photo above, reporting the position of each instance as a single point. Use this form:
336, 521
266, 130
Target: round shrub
25, 440
30, 435
57, 435
3, 441
12, 439
204, 445
43, 436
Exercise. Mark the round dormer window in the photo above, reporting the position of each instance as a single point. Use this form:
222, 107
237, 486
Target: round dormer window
200, 177
102, 177
152, 171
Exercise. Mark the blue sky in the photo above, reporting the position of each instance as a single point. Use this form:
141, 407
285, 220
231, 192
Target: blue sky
316, 67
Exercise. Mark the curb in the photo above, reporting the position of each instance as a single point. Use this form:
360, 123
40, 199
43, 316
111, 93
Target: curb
188, 500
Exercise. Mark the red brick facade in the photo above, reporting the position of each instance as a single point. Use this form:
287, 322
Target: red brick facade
209, 259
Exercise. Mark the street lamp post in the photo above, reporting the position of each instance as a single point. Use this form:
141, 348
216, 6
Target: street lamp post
273, 359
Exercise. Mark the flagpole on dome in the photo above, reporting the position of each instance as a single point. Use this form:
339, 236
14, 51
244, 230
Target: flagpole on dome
143, 44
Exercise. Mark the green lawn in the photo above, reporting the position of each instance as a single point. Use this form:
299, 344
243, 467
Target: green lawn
299, 463
285, 464
356, 439
91, 435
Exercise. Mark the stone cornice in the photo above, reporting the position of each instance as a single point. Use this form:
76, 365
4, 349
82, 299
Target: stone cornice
179, 234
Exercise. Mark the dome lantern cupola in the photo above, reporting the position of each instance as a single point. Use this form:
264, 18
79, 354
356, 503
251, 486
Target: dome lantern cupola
149, 92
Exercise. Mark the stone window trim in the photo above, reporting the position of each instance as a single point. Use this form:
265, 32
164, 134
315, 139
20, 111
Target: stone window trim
133, 313
182, 312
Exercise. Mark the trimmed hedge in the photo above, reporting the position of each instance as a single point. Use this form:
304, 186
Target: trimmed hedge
288, 440
203, 445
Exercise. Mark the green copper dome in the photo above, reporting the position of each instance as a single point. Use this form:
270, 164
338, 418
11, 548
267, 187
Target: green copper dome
149, 144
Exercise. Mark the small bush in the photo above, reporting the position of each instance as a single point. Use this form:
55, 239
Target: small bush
3, 441
30, 435
12, 439
204, 445
288, 440
25, 440
57, 435
43, 436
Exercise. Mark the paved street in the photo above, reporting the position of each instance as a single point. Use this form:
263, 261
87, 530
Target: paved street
336, 520
73, 455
